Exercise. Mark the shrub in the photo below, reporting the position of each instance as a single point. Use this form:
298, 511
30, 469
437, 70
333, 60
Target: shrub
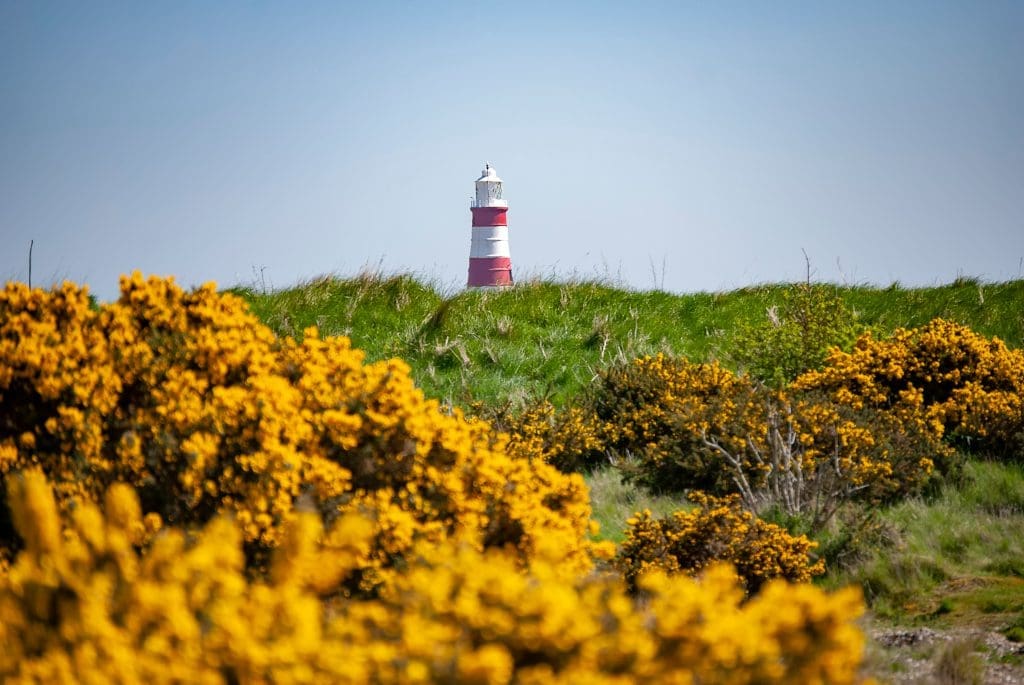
812, 455
89, 607
717, 530
188, 398
656, 408
970, 385
1015, 631
699, 426
796, 337
569, 439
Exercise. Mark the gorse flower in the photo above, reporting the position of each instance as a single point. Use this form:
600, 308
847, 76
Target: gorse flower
970, 386
188, 398
86, 607
717, 530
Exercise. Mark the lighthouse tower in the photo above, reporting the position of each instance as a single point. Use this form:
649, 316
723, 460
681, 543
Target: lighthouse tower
490, 263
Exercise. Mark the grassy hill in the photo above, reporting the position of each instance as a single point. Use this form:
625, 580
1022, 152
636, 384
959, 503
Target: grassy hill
545, 337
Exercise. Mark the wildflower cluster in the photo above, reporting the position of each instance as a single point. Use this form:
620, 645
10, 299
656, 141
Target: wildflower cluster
970, 386
188, 398
85, 606
717, 530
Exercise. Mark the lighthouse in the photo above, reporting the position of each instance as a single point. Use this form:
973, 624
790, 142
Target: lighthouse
490, 262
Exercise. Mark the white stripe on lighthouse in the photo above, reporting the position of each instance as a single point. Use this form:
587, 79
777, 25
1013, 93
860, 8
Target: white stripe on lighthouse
489, 241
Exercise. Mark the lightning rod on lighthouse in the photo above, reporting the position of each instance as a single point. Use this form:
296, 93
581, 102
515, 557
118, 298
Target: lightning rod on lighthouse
490, 262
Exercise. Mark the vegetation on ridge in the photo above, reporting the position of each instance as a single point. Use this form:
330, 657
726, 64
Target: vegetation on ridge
550, 338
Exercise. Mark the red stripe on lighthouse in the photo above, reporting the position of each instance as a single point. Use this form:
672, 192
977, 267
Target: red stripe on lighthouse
489, 216
490, 271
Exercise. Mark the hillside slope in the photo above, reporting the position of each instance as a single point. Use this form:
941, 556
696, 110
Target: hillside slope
546, 337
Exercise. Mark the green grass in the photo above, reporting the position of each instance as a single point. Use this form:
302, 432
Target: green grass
613, 501
550, 338
952, 559
989, 308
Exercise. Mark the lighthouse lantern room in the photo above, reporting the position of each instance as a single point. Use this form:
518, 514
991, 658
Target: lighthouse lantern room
490, 262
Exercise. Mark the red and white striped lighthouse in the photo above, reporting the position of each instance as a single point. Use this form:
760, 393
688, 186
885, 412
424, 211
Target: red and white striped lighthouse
490, 262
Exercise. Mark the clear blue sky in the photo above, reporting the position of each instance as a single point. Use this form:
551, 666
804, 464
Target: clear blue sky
698, 146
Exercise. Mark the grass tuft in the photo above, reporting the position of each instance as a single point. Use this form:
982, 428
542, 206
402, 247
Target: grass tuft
613, 501
959, 664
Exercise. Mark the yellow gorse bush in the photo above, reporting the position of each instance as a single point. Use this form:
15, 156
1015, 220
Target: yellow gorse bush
80, 604
676, 425
188, 398
562, 437
662, 408
972, 387
792, 448
633, 411
717, 530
